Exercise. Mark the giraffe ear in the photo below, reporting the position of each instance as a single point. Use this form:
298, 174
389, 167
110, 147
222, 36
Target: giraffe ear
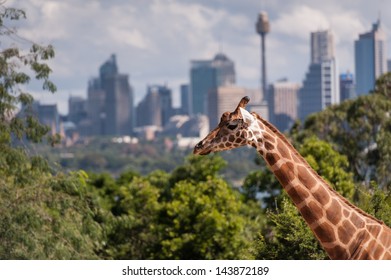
247, 117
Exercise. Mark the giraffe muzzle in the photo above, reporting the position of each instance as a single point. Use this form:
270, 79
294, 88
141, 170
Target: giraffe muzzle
199, 149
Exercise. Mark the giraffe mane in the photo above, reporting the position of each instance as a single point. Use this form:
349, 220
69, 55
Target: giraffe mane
299, 156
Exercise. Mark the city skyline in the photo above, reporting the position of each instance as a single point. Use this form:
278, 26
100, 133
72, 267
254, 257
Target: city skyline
156, 40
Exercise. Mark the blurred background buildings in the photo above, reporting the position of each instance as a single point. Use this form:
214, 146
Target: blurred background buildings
109, 108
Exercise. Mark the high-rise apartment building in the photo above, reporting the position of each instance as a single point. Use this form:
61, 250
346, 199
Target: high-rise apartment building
185, 99
76, 109
156, 107
206, 75
48, 115
95, 108
321, 84
283, 104
223, 99
118, 99
347, 87
370, 58
322, 46
110, 101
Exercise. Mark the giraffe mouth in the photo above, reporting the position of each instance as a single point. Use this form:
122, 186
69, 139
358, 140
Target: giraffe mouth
199, 149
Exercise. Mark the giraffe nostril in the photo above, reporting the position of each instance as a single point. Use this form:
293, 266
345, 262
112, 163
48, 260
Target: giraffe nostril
199, 145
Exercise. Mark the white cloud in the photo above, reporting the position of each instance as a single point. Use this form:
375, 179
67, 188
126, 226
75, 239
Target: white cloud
132, 37
300, 22
346, 26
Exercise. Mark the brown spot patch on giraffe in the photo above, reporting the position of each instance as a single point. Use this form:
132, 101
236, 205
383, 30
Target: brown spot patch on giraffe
239, 141
322, 196
338, 253
305, 177
284, 174
283, 150
272, 158
269, 146
387, 256
311, 212
385, 236
295, 158
371, 248
298, 194
333, 212
325, 232
364, 255
374, 230
346, 213
268, 137
346, 231
357, 221
231, 138
377, 251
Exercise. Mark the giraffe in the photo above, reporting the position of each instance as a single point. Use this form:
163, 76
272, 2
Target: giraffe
344, 230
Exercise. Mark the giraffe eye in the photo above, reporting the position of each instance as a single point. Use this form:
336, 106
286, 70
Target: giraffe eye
232, 126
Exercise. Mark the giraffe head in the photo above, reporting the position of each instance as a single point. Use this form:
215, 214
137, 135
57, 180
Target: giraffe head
232, 131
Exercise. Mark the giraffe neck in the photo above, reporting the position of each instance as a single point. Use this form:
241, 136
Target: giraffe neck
343, 230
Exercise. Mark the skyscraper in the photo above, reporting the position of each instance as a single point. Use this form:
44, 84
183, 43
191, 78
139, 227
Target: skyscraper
77, 109
156, 107
185, 99
370, 58
206, 75
118, 100
223, 99
47, 115
322, 46
283, 104
110, 101
95, 108
347, 88
262, 27
320, 86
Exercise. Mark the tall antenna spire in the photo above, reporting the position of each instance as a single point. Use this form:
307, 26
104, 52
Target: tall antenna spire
263, 27
220, 44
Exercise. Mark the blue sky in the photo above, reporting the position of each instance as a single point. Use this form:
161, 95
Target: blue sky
155, 40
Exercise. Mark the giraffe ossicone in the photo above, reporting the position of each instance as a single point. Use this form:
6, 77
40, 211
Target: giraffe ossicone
344, 230
247, 117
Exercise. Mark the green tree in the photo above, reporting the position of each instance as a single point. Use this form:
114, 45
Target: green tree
43, 215
383, 85
376, 202
262, 185
289, 237
13, 62
329, 164
358, 129
191, 213
198, 168
48, 218
204, 221
135, 231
